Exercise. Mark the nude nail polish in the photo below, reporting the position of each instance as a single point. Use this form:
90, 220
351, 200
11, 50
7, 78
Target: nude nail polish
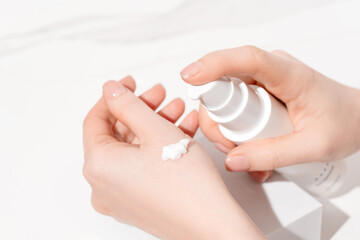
237, 163
113, 89
191, 70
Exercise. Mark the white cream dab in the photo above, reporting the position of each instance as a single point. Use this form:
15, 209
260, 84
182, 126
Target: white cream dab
175, 151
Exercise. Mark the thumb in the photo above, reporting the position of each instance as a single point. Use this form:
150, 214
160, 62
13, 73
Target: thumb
272, 153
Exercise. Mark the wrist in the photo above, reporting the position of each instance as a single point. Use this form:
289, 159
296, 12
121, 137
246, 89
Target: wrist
229, 222
239, 225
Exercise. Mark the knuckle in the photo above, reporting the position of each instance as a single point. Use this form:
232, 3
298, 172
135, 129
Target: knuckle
325, 151
257, 53
86, 172
280, 53
306, 78
264, 158
251, 48
86, 121
99, 205
132, 103
275, 160
284, 55
92, 171
258, 56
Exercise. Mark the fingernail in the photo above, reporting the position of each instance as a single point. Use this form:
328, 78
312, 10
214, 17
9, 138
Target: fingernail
222, 147
191, 70
237, 163
113, 89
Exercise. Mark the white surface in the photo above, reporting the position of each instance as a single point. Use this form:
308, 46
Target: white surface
55, 55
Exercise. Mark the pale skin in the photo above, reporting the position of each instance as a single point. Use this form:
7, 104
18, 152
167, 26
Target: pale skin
175, 199
186, 198
325, 114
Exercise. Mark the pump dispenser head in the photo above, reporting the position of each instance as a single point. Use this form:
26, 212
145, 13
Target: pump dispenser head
212, 95
230, 102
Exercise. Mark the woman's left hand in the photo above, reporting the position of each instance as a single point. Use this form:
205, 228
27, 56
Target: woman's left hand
174, 199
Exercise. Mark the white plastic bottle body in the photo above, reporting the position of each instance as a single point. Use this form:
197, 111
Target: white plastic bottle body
319, 178
246, 113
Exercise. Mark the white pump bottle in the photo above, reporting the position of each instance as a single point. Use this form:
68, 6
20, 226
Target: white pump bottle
249, 112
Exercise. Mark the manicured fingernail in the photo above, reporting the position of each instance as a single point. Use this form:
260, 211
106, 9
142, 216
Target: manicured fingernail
237, 163
191, 70
222, 147
113, 89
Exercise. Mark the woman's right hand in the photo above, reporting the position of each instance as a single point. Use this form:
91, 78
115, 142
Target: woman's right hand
325, 114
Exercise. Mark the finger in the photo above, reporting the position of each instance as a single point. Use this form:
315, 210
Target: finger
98, 124
190, 124
154, 96
211, 130
272, 153
130, 110
120, 132
222, 148
173, 111
276, 73
129, 83
261, 176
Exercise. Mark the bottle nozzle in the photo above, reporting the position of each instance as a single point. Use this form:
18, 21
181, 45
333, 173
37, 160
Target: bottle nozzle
212, 95
231, 103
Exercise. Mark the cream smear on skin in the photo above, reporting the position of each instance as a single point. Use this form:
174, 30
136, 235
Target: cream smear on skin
175, 151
